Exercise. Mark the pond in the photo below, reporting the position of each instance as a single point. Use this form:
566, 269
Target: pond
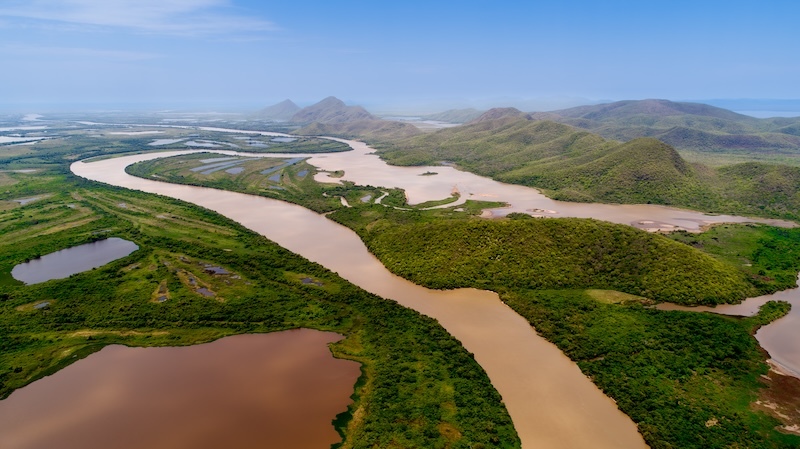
258, 390
65, 263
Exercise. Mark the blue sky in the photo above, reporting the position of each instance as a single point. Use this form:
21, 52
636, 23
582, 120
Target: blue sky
230, 54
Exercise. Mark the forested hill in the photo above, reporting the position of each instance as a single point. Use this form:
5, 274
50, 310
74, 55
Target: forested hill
555, 254
690, 126
575, 165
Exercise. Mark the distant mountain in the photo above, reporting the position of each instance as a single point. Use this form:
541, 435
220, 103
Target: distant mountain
691, 126
361, 129
500, 113
282, 111
455, 115
651, 108
331, 110
576, 165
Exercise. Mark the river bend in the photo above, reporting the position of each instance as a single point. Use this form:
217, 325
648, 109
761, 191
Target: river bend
551, 402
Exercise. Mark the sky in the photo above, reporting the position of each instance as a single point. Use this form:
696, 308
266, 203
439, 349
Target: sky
247, 54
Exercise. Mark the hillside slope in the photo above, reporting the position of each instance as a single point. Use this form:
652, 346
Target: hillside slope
575, 165
555, 253
283, 111
690, 126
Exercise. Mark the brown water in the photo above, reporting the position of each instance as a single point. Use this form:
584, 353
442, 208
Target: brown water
64, 263
363, 167
552, 404
278, 390
780, 338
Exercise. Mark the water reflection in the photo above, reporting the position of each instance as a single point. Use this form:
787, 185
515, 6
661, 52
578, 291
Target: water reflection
65, 263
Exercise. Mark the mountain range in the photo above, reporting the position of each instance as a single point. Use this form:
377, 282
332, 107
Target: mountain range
688, 126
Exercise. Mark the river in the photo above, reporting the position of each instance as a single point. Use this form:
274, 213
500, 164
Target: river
363, 167
551, 403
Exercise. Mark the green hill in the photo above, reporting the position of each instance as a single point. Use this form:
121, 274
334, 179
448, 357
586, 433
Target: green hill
575, 165
492, 147
687, 126
555, 254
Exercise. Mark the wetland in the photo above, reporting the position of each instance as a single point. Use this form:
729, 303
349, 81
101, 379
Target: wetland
582, 332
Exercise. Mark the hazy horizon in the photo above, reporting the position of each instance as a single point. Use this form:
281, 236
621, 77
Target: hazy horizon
240, 55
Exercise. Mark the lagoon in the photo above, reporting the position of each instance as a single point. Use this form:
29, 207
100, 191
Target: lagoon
64, 263
258, 390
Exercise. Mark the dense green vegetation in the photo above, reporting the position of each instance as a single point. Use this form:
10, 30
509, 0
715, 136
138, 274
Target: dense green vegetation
435, 395
769, 256
686, 379
574, 165
555, 253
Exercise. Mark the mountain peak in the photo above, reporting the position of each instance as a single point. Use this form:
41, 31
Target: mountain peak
331, 101
331, 110
279, 111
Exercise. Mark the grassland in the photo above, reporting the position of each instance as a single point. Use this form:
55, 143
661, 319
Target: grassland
436, 396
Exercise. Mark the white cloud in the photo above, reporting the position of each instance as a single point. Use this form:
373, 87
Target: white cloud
77, 52
178, 17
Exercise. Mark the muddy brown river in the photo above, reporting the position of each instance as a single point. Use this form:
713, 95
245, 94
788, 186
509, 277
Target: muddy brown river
552, 404
278, 390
